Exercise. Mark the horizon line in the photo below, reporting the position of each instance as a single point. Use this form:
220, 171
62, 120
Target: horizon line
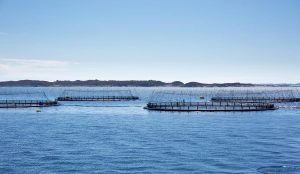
266, 83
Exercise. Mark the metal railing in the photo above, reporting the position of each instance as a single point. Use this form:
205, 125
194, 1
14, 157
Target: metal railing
26, 103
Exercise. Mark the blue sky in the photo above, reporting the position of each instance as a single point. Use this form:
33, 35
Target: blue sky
208, 41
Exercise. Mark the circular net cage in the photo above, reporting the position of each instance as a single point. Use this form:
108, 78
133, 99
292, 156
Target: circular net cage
259, 93
95, 95
284, 98
24, 99
195, 100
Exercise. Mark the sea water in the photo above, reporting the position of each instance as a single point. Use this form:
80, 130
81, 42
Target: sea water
122, 137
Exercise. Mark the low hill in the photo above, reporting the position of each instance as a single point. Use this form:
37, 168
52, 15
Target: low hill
116, 83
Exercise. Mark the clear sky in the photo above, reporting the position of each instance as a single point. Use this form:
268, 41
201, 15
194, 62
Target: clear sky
208, 41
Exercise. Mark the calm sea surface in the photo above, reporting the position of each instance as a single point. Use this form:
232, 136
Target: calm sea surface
122, 137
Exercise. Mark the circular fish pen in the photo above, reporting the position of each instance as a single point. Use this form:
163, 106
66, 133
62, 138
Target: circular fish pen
97, 95
255, 99
209, 106
263, 96
25, 100
190, 101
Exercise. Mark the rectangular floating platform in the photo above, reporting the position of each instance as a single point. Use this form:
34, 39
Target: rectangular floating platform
209, 106
98, 98
26, 103
255, 99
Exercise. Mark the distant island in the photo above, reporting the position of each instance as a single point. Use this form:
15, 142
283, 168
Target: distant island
116, 83
127, 83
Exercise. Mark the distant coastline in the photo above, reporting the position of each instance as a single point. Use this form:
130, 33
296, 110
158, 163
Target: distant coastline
128, 83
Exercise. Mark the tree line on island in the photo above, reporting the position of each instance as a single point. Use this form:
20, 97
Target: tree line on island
116, 83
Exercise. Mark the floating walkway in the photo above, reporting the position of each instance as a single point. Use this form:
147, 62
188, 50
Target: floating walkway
97, 95
26, 103
209, 106
255, 99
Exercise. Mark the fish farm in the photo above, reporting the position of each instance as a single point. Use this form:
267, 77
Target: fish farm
25, 100
191, 101
185, 100
97, 95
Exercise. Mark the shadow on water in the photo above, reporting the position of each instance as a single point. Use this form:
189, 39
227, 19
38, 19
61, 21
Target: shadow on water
106, 106
279, 170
